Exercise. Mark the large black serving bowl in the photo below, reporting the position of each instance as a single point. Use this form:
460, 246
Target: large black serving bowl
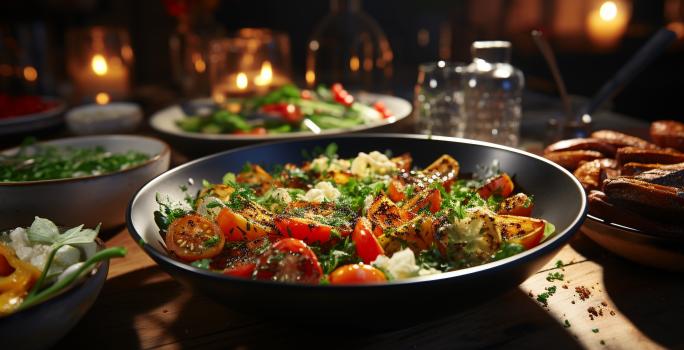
558, 196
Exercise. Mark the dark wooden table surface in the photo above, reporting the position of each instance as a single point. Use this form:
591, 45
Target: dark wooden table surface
637, 307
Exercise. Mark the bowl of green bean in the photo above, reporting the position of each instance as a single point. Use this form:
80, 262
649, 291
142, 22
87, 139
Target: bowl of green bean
79, 180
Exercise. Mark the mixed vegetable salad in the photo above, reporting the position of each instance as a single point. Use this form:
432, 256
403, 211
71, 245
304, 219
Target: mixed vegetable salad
41, 261
288, 109
34, 162
371, 218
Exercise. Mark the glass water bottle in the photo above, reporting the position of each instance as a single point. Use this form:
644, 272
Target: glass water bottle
493, 94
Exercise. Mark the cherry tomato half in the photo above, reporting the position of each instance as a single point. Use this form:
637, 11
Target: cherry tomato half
367, 246
289, 260
245, 270
356, 274
194, 237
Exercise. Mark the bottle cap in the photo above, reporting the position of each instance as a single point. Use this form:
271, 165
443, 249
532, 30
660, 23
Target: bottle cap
492, 51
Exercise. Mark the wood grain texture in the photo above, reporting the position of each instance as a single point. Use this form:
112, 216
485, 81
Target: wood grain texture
142, 307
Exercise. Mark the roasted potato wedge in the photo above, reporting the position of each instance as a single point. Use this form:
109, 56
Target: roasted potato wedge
668, 133
572, 159
619, 139
582, 144
648, 156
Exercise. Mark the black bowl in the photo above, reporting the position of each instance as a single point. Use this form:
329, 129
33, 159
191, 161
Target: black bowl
559, 198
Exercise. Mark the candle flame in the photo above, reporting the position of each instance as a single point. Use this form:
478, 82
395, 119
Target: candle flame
99, 65
241, 81
608, 11
310, 77
102, 98
354, 63
265, 76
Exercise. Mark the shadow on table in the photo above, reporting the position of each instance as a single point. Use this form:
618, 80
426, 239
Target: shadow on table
513, 320
652, 299
113, 322
124, 320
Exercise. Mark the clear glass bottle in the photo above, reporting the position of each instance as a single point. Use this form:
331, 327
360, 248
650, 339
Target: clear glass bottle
439, 99
493, 94
349, 47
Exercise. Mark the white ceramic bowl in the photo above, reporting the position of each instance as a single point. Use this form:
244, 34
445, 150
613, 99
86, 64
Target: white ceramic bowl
85, 200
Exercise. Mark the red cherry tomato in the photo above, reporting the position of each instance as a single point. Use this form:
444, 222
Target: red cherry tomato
245, 270
356, 274
341, 96
289, 260
501, 185
367, 246
306, 95
194, 237
380, 107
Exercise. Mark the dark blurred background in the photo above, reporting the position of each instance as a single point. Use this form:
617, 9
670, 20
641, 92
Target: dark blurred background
417, 31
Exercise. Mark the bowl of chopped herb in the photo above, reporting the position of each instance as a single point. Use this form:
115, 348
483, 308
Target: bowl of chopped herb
80, 180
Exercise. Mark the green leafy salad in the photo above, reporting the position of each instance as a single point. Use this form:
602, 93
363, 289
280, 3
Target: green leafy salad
366, 219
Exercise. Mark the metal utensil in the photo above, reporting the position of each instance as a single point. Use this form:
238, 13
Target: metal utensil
547, 52
655, 46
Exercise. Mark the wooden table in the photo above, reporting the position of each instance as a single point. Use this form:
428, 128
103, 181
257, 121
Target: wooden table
636, 308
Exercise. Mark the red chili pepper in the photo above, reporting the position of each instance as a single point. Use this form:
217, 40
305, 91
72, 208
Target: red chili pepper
287, 111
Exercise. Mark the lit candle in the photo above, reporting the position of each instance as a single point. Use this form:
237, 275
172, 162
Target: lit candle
265, 76
102, 75
607, 23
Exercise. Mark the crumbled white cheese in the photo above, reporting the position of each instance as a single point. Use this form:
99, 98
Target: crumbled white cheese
402, 265
322, 192
37, 254
374, 162
281, 195
324, 164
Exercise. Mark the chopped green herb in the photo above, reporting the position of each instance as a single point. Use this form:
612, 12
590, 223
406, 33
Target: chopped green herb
202, 264
559, 264
554, 276
544, 297
566, 324
42, 162
595, 330
212, 241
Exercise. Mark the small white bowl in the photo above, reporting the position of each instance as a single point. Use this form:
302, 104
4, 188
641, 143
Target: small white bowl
116, 117
85, 200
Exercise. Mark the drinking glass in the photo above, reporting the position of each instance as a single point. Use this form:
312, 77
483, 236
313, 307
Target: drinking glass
438, 104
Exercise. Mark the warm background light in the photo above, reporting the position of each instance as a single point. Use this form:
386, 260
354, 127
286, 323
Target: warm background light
30, 73
99, 65
608, 11
607, 22
241, 81
102, 98
265, 76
